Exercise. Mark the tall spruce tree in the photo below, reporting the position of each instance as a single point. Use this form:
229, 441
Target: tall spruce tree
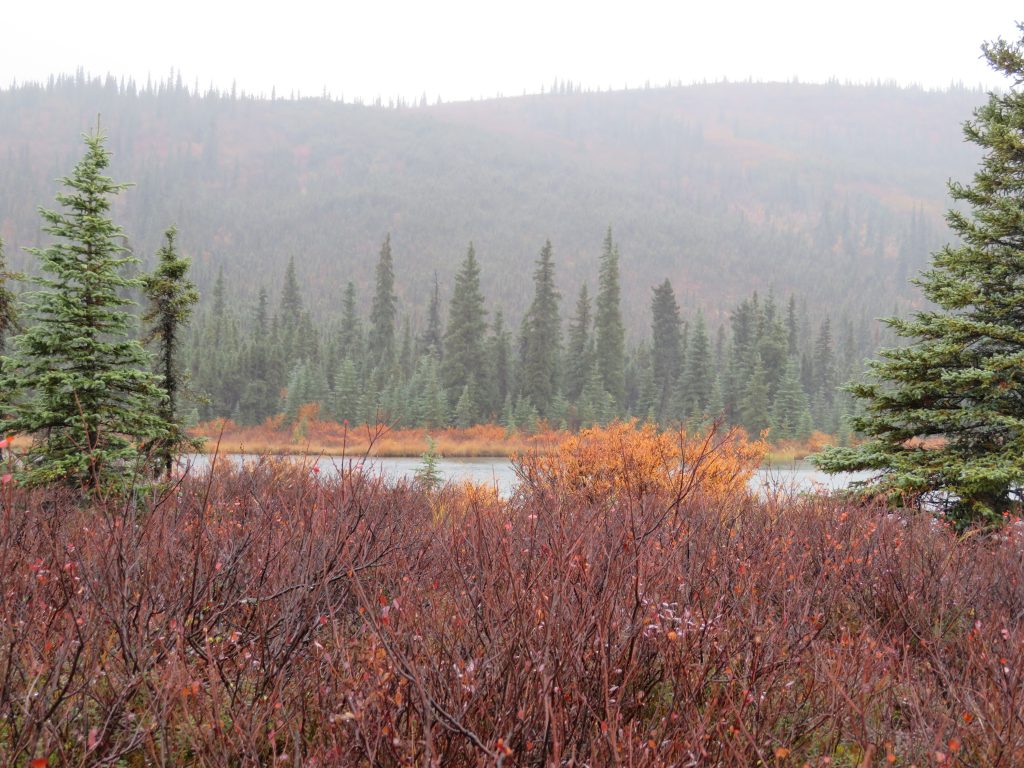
609, 330
463, 361
432, 340
542, 344
959, 381
78, 382
699, 376
666, 346
577, 357
383, 311
350, 343
171, 298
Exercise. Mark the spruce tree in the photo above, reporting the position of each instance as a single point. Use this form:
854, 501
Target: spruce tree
464, 337
542, 342
172, 295
666, 346
755, 406
944, 415
498, 362
431, 342
790, 409
577, 357
78, 382
824, 364
698, 378
291, 296
351, 332
608, 328
8, 314
381, 341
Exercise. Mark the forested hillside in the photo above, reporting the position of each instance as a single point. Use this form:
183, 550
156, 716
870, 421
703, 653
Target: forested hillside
834, 193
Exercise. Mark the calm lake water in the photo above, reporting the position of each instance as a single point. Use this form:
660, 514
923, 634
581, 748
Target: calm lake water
498, 471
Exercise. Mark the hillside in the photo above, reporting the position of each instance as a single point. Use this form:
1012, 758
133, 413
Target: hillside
834, 192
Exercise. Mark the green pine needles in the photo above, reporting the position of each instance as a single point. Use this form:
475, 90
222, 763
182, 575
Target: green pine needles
77, 380
944, 416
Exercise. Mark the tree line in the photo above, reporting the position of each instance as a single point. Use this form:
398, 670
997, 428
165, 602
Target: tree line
766, 367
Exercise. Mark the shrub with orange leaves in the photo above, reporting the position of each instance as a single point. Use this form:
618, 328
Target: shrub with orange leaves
626, 459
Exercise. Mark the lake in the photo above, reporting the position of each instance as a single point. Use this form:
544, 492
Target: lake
497, 470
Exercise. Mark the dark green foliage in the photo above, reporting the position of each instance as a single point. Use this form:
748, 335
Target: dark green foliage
542, 339
432, 340
498, 374
78, 382
350, 343
172, 296
577, 358
755, 407
381, 341
609, 330
464, 337
8, 313
694, 393
666, 347
790, 418
824, 364
428, 475
959, 380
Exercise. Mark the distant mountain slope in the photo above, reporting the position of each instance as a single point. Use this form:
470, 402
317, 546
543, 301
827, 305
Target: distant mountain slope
835, 192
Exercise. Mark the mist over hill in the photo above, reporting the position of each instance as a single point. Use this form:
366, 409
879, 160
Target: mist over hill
833, 192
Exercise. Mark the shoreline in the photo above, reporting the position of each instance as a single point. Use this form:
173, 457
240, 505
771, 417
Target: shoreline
485, 441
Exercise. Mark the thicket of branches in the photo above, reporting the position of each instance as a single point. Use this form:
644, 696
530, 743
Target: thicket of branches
273, 615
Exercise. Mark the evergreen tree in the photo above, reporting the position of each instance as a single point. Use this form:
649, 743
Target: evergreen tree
405, 357
608, 328
171, 298
350, 343
432, 340
577, 362
291, 296
347, 392
666, 347
755, 406
498, 362
698, 378
960, 377
596, 405
789, 411
8, 314
79, 384
542, 337
648, 393
824, 364
381, 341
464, 337
792, 328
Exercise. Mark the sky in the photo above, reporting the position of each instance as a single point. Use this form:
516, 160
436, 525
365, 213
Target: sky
464, 49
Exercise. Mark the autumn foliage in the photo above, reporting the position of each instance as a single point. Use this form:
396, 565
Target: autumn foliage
310, 434
273, 616
624, 459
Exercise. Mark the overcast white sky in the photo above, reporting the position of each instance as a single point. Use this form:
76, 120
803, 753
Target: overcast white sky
460, 49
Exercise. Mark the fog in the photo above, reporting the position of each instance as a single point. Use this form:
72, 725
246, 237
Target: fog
456, 49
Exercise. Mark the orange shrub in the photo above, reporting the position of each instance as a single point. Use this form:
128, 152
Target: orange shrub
626, 459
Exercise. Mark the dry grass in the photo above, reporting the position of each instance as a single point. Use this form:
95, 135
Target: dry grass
332, 439
324, 437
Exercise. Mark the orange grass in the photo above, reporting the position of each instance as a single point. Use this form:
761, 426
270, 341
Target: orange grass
334, 439
313, 435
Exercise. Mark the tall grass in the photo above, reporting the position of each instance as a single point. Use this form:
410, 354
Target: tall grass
268, 615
